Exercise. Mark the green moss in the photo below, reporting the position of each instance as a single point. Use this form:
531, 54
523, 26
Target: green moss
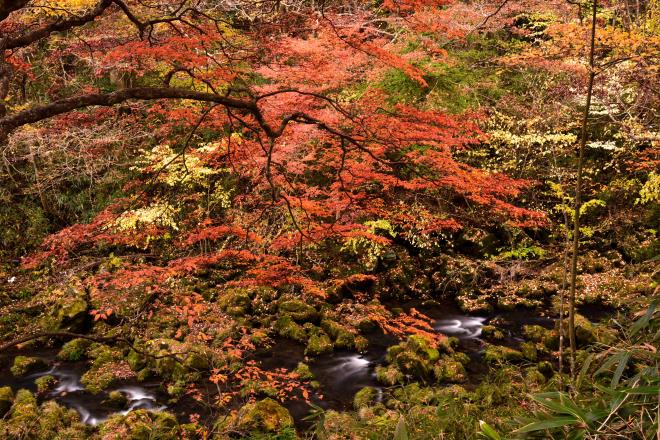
318, 343
341, 336
529, 351
500, 354
264, 416
236, 302
490, 332
287, 328
298, 310
389, 375
116, 399
74, 350
303, 371
141, 425
24, 365
449, 370
45, 383
72, 314
6, 400
365, 397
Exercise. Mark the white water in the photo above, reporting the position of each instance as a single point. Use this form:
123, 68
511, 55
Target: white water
464, 327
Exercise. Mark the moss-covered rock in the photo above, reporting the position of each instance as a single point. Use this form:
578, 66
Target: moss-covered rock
491, 333
449, 370
303, 371
45, 383
74, 350
545, 368
6, 400
264, 416
25, 365
298, 310
500, 354
365, 397
529, 351
287, 328
141, 425
342, 337
389, 375
414, 357
319, 342
236, 302
116, 399
72, 313
361, 344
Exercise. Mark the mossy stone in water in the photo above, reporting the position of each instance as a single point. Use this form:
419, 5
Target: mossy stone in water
298, 310
365, 397
318, 343
6, 400
74, 350
45, 383
24, 365
500, 354
492, 333
342, 337
303, 371
116, 399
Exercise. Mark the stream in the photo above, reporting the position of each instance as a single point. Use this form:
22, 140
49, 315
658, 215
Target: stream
340, 373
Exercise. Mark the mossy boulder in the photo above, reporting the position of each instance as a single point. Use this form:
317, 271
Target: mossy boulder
585, 332
26, 420
45, 383
264, 416
365, 397
449, 370
141, 425
319, 342
303, 371
298, 311
74, 350
491, 333
116, 399
545, 368
72, 313
414, 357
342, 337
6, 400
499, 354
389, 375
529, 351
101, 374
25, 365
361, 344
236, 302
288, 328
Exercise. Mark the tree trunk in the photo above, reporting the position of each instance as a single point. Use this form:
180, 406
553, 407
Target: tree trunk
578, 193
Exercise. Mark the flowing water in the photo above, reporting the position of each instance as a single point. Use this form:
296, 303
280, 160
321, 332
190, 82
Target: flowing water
340, 373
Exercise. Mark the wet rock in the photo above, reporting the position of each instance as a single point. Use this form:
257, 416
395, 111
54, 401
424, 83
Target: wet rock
74, 350
45, 383
6, 400
500, 354
365, 397
25, 365
116, 399
298, 310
